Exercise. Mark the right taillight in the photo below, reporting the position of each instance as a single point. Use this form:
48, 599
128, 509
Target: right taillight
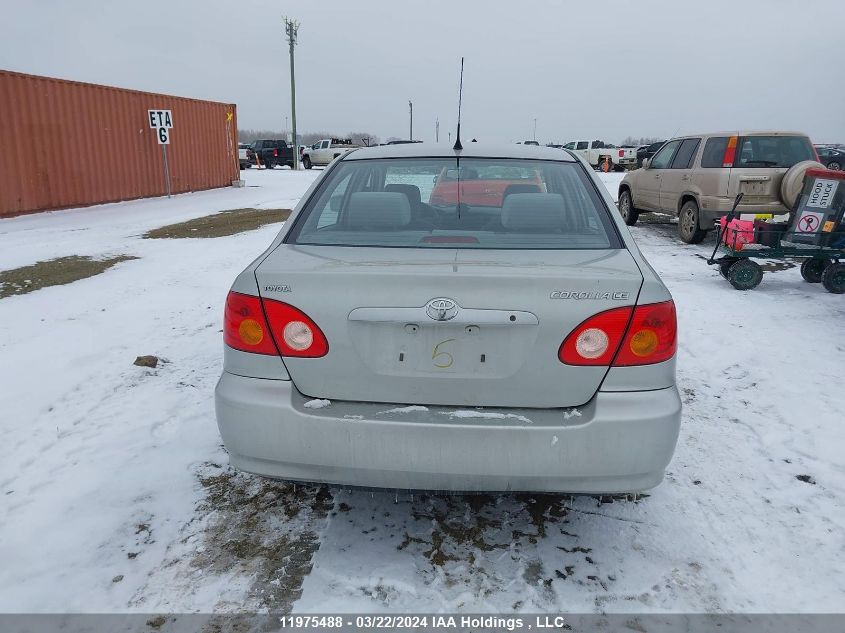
623, 337
652, 336
596, 340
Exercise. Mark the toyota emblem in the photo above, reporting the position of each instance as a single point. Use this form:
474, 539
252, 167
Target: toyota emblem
441, 309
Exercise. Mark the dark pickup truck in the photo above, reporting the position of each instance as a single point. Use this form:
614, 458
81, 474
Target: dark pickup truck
270, 153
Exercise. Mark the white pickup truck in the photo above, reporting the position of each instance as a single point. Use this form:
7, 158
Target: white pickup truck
245, 156
598, 152
323, 152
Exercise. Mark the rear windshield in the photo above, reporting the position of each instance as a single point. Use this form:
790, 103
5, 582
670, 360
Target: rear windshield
773, 151
443, 203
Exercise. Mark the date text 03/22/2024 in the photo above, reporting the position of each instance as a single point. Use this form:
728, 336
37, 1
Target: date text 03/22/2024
423, 622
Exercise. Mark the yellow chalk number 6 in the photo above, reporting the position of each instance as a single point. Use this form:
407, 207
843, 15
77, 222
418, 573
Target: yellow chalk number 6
442, 360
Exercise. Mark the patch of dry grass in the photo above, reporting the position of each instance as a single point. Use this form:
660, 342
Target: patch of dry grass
54, 272
221, 224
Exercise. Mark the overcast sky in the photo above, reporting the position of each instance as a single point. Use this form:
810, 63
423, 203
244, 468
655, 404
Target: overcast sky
599, 69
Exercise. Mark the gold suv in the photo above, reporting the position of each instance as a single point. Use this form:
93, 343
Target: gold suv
697, 178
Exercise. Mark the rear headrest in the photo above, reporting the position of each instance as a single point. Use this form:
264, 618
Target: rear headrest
378, 210
533, 212
412, 192
521, 188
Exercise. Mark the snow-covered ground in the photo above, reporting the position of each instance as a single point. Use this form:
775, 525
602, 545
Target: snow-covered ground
115, 494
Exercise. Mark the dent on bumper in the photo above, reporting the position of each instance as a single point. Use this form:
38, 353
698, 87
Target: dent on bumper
618, 442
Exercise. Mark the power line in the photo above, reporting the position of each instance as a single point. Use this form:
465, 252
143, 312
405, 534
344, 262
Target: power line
292, 30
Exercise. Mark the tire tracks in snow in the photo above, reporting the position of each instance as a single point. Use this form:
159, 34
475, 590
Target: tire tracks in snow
257, 536
384, 551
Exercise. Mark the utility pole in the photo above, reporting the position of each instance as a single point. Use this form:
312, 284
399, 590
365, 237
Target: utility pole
437, 131
535, 128
291, 30
411, 106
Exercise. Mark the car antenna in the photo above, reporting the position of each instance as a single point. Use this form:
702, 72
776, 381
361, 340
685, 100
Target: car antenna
458, 146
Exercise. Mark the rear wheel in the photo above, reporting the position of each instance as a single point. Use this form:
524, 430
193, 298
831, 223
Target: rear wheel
745, 274
834, 165
268, 164
813, 268
306, 162
688, 226
833, 278
626, 208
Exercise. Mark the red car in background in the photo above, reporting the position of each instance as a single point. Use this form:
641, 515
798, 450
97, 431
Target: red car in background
483, 186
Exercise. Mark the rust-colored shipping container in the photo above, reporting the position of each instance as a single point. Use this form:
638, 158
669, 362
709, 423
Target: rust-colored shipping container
67, 144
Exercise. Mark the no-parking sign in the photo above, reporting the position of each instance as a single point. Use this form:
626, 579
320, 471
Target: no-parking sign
809, 222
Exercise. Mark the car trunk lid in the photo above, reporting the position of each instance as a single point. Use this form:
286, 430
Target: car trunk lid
444, 326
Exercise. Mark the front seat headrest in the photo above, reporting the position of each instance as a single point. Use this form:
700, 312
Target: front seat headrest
533, 212
378, 210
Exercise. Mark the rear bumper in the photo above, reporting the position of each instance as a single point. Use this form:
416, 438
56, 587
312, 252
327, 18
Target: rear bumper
719, 207
620, 442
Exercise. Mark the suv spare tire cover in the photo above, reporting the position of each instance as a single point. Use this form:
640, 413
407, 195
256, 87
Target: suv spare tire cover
793, 182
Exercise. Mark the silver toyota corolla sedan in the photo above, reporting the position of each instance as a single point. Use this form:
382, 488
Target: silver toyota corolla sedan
472, 320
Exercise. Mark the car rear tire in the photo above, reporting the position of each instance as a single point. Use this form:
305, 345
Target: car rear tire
745, 274
833, 278
834, 165
269, 164
626, 208
813, 268
306, 162
689, 229
793, 182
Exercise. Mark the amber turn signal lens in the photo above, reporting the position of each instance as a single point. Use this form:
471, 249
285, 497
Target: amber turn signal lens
251, 332
644, 342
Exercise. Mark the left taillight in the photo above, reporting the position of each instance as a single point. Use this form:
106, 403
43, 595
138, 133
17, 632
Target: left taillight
730, 152
621, 153
251, 324
244, 325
